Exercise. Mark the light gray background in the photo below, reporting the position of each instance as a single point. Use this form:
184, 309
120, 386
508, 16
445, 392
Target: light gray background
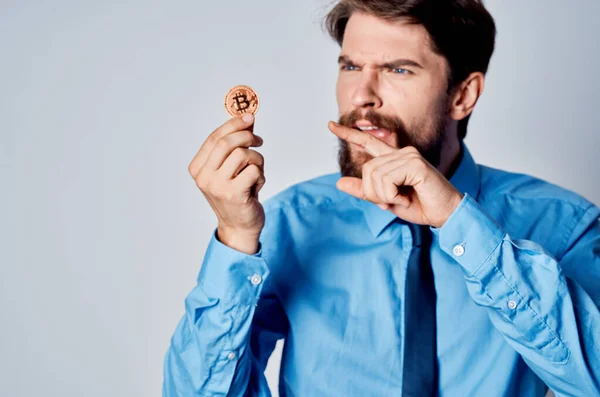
103, 105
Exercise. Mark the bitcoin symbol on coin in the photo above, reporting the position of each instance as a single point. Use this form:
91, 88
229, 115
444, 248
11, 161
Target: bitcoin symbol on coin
240, 100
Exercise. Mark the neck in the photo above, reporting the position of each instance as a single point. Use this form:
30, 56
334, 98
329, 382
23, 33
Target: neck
450, 157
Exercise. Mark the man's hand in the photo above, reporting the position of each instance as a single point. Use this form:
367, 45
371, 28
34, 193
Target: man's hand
399, 180
230, 175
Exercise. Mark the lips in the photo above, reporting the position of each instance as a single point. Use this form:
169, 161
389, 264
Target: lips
374, 130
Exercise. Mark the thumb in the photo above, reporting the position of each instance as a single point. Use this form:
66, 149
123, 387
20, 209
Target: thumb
351, 185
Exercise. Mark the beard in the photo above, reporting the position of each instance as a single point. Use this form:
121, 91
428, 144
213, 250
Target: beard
428, 139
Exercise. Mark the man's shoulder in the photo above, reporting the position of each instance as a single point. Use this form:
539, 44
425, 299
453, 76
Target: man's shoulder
532, 208
303, 211
308, 194
525, 188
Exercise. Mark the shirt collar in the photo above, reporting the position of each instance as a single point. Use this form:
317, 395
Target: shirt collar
465, 179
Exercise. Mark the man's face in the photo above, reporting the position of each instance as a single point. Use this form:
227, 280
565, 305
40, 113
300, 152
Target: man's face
390, 78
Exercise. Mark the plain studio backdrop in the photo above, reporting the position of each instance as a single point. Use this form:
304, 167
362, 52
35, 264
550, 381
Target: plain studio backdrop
104, 104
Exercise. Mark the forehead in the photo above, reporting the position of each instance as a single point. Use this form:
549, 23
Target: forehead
371, 39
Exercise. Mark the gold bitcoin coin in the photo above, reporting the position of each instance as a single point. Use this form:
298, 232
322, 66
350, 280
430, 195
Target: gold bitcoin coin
241, 100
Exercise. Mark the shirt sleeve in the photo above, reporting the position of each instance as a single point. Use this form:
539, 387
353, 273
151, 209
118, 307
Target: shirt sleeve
551, 319
212, 352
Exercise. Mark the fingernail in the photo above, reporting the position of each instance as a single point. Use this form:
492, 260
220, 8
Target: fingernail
247, 118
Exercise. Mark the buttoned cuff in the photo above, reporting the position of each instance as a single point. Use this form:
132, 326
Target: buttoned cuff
230, 275
469, 235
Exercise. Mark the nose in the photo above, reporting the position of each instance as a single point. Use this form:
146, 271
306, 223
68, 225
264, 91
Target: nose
365, 95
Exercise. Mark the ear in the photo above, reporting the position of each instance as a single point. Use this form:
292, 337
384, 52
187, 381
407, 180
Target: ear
465, 96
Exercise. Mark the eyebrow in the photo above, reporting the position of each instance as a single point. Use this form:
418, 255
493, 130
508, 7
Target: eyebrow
388, 65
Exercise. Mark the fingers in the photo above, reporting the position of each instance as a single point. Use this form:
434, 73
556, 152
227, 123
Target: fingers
407, 175
386, 178
238, 160
369, 184
250, 176
386, 186
227, 144
375, 147
232, 125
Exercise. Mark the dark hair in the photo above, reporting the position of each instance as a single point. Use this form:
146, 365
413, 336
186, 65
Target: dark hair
462, 31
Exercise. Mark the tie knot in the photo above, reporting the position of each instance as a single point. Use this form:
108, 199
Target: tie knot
419, 233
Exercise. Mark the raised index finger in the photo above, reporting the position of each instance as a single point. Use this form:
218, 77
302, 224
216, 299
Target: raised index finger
375, 147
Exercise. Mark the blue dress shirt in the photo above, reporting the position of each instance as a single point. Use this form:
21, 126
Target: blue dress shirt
517, 275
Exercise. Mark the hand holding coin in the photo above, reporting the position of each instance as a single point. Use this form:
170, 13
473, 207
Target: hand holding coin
230, 174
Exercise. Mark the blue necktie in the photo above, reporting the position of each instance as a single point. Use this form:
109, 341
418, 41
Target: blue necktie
420, 370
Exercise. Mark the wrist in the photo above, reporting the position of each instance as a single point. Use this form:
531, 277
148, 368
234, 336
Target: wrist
454, 202
240, 241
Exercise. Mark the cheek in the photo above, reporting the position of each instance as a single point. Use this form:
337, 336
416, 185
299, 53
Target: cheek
402, 101
413, 102
343, 92
427, 99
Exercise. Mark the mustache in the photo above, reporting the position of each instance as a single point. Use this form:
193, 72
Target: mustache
392, 124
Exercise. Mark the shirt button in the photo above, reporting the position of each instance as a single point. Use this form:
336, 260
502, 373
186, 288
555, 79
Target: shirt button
512, 305
458, 250
231, 356
256, 279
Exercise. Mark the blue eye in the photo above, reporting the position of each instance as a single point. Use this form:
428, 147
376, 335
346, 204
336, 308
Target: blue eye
400, 71
349, 67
